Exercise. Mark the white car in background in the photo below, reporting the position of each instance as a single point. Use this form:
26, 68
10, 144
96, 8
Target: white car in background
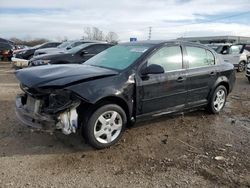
248, 72
236, 54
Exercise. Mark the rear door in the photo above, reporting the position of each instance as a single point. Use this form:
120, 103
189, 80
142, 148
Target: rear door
201, 74
162, 93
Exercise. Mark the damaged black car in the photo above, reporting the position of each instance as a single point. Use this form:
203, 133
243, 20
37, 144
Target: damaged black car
123, 84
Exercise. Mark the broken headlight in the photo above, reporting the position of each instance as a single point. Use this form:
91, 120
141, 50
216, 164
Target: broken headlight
60, 100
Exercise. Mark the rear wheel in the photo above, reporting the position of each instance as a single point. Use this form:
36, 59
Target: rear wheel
249, 79
241, 66
218, 100
105, 126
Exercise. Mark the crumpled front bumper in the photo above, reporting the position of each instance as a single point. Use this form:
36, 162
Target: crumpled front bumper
28, 112
32, 119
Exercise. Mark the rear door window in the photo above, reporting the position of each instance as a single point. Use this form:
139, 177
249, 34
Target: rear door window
199, 57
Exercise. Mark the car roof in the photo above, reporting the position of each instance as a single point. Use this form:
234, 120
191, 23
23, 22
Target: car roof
159, 42
92, 43
86, 41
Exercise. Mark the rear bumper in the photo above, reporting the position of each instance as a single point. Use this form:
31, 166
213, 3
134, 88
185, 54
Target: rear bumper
33, 119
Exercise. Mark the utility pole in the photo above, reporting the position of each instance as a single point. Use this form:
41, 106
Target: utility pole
149, 33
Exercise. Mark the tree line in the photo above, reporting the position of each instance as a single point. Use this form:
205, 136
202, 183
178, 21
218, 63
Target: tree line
89, 33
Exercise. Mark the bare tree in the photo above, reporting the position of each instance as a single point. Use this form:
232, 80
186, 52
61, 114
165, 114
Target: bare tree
97, 34
93, 34
112, 37
87, 33
32, 42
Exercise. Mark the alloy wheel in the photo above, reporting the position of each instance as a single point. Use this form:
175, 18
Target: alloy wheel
108, 127
219, 100
241, 67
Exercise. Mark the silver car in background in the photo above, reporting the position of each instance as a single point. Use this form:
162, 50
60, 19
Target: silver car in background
236, 54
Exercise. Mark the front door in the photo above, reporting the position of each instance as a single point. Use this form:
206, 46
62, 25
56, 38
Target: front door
165, 92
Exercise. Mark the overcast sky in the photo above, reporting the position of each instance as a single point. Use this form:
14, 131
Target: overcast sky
56, 19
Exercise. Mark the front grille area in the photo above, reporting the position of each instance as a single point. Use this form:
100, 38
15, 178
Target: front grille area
50, 102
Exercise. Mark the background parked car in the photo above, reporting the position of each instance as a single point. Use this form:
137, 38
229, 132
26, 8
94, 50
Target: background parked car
21, 47
78, 54
67, 45
28, 53
236, 54
217, 46
126, 82
6, 50
248, 72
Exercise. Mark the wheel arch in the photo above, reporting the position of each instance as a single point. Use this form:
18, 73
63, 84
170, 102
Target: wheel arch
220, 81
86, 108
114, 100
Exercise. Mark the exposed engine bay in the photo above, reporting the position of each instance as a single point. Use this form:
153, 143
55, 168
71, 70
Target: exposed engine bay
48, 110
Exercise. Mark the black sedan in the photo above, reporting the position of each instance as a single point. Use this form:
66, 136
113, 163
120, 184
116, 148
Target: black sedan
67, 45
125, 83
28, 53
78, 54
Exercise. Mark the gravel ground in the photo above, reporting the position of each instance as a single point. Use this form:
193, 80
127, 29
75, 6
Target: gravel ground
194, 149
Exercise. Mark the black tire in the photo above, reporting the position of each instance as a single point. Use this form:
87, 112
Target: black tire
89, 128
211, 106
241, 66
249, 79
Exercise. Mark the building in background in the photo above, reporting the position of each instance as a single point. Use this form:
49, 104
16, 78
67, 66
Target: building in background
217, 39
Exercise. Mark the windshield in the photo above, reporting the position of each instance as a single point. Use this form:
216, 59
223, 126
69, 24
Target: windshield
78, 48
118, 57
63, 45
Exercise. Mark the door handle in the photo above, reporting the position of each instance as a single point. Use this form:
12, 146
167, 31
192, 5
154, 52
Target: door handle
180, 79
212, 73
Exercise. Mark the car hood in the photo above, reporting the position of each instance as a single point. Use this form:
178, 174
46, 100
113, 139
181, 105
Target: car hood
50, 50
60, 75
49, 56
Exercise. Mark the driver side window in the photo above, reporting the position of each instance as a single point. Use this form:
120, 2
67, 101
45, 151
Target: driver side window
170, 58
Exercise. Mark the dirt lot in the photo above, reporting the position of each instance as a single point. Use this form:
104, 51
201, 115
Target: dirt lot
176, 151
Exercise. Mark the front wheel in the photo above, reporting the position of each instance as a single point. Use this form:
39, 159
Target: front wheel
105, 126
218, 100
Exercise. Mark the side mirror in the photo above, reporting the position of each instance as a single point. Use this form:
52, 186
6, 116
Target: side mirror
84, 52
152, 69
224, 52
